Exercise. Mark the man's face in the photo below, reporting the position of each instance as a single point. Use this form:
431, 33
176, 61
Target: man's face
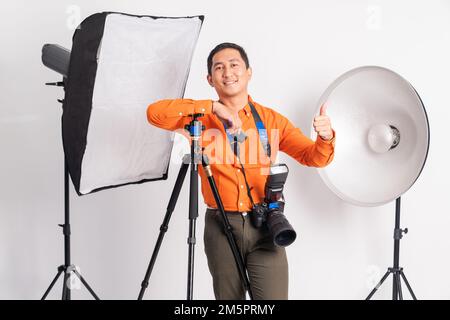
229, 74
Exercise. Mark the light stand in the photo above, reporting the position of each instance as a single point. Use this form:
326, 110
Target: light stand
67, 267
396, 271
196, 157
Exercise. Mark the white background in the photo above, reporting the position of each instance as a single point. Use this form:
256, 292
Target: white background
296, 49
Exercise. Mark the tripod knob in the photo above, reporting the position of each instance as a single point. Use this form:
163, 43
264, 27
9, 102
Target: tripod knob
66, 228
405, 230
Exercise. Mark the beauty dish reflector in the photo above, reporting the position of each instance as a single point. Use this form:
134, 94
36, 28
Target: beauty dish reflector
119, 64
382, 136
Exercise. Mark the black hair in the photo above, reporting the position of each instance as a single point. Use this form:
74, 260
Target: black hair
227, 45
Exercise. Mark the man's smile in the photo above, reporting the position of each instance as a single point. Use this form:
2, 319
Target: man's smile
230, 82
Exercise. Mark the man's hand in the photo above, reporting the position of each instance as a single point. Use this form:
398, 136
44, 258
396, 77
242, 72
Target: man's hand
233, 121
322, 124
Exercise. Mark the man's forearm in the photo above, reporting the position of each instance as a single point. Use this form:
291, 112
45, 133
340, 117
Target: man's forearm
169, 114
307, 152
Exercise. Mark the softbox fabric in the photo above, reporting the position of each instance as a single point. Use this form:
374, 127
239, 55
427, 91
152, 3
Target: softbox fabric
119, 64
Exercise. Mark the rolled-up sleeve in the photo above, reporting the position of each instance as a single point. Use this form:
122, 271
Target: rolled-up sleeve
311, 153
173, 114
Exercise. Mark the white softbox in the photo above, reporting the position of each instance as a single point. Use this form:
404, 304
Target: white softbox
119, 64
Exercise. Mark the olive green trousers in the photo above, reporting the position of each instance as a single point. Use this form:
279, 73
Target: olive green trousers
266, 264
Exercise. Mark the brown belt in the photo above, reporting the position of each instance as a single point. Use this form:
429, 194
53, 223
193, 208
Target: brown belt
244, 213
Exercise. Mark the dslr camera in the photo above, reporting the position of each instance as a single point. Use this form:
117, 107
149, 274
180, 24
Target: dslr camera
270, 212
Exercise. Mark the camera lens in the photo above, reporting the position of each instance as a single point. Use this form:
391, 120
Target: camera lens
281, 230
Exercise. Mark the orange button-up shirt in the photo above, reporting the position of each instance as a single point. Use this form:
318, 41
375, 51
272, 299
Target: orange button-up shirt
226, 168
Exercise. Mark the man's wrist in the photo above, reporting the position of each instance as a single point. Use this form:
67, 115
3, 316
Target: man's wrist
328, 138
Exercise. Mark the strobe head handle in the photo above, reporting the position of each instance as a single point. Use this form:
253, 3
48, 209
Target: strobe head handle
56, 58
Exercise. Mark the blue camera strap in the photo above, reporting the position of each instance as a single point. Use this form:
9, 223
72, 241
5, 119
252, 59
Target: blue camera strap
261, 130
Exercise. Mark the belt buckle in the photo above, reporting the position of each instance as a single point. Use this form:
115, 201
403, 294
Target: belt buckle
244, 214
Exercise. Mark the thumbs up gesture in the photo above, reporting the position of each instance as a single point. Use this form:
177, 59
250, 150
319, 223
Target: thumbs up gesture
322, 124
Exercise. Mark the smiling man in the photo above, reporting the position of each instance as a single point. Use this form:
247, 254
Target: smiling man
241, 182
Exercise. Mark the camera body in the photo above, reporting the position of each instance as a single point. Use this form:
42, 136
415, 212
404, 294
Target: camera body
270, 212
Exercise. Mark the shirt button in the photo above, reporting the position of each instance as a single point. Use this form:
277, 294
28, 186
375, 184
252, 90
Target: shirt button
240, 203
242, 186
203, 109
238, 170
181, 113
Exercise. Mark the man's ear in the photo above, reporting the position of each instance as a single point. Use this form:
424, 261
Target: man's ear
249, 72
209, 78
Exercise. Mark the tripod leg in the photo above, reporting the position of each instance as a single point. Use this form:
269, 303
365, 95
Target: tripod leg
394, 287
191, 250
407, 285
378, 285
164, 226
85, 284
60, 270
228, 229
193, 214
399, 287
66, 289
